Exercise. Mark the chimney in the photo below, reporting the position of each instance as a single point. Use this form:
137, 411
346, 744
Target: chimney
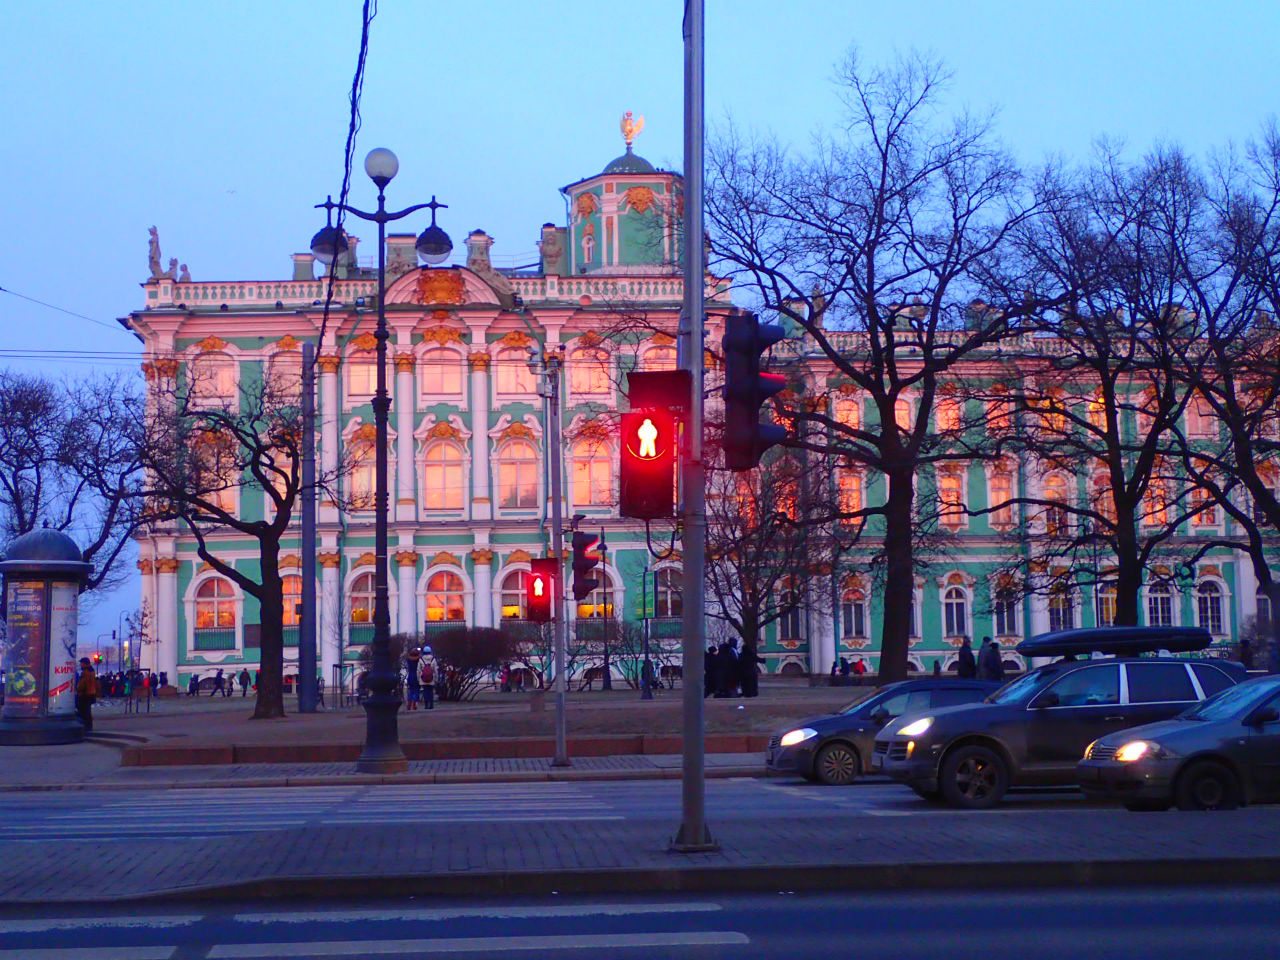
401, 254
478, 244
302, 266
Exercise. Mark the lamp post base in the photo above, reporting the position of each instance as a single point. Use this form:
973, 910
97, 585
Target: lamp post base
381, 753
40, 730
701, 842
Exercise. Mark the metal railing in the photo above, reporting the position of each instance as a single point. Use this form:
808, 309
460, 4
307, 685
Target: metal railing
215, 638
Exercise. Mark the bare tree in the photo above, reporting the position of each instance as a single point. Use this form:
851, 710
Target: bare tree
876, 247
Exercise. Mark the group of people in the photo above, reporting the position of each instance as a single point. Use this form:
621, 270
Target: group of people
125, 683
728, 673
420, 679
223, 684
845, 668
986, 666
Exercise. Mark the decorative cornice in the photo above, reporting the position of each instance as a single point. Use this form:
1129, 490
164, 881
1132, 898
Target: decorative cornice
519, 556
366, 431
1210, 570
365, 560
146, 566
288, 342
329, 559
445, 559
443, 431
366, 341
519, 430
404, 362
478, 361
167, 565
482, 557
441, 285
441, 335
210, 344
328, 363
516, 338
661, 339
406, 558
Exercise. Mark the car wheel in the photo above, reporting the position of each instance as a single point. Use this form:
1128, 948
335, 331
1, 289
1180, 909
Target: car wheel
836, 764
974, 778
933, 796
1147, 806
1207, 786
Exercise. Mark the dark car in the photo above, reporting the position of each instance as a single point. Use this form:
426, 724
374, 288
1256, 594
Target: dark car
836, 748
1034, 730
1218, 755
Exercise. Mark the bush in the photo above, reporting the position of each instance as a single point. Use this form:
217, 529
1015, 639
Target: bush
465, 655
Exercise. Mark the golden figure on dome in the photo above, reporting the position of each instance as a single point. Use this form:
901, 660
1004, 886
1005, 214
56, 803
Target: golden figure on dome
630, 128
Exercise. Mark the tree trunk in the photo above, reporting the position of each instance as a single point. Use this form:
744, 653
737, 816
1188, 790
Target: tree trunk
899, 587
1128, 580
747, 656
270, 700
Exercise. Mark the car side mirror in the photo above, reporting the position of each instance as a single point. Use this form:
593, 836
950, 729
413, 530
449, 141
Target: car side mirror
1267, 715
1049, 699
880, 716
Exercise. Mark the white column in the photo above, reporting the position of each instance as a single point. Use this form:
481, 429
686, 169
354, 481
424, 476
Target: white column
329, 411
481, 504
1038, 607
167, 618
482, 576
407, 596
822, 646
330, 625
404, 408
1246, 586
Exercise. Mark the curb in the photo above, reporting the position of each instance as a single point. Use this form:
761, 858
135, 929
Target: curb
698, 879
497, 776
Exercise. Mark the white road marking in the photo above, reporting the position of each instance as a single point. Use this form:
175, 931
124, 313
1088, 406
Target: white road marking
97, 953
493, 945
51, 924
495, 912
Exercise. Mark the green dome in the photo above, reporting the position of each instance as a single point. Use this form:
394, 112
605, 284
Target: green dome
630, 163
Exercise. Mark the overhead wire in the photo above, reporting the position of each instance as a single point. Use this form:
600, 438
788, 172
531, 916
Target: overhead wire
72, 313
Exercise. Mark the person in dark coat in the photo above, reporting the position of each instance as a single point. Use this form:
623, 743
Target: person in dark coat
749, 678
966, 665
710, 666
86, 693
726, 670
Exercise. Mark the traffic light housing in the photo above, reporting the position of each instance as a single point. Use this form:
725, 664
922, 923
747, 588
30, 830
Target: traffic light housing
541, 589
746, 389
583, 543
649, 445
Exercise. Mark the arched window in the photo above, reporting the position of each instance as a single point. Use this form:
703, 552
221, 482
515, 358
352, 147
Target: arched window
284, 375
514, 586
847, 411
1209, 607
1105, 596
363, 467
1264, 607
1103, 497
659, 358
949, 413
1050, 406
902, 413
1206, 507
853, 613
599, 602
589, 371
213, 379
1159, 605
362, 595
361, 377
790, 624
445, 597
592, 473
999, 410
955, 608
849, 494
1062, 608
668, 589
1201, 421
1097, 411
442, 481
511, 371
1055, 516
1001, 494
950, 498
441, 373
218, 471
292, 600
1004, 609
517, 475
1155, 503
1270, 477
215, 605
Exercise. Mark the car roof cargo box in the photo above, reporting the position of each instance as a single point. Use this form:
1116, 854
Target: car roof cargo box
1121, 641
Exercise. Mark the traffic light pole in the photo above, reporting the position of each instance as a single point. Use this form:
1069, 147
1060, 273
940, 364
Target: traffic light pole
551, 366
693, 836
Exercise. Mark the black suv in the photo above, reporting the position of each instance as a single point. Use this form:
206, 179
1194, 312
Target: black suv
1034, 730
836, 748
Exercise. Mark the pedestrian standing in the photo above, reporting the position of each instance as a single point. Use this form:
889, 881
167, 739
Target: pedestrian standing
710, 666
217, 683
320, 689
937, 667
428, 685
86, 693
193, 685
244, 682
412, 685
966, 665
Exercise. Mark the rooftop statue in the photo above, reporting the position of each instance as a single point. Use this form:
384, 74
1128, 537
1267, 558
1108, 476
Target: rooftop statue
631, 128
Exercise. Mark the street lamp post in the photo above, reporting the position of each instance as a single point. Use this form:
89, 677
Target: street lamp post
382, 753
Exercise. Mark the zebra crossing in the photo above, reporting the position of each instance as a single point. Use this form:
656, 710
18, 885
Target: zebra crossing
546, 929
213, 812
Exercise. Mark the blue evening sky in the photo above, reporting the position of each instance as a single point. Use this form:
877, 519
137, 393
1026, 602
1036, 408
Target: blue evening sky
223, 123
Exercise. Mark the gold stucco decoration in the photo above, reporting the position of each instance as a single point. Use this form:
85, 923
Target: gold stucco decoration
366, 341
146, 567
329, 559
519, 556
365, 560
1210, 570
516, 338
167, 565
661, 339
328, 363
589, 339
288, 342
406, 558
592, 430
167, 367
631, 127
482, 557
149, 371
289, 563
443, 431
640, 199
404, 363
441, 335
585, 204
441, 286
478, 361
211, 343
366, 431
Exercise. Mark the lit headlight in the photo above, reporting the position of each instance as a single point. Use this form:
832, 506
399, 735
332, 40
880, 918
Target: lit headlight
1135, 750
798, 736
1088, 751
916, 728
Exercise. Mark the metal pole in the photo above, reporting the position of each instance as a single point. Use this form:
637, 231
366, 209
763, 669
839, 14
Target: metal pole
646, 668
382, 753
307, 622
557, 548
693, 835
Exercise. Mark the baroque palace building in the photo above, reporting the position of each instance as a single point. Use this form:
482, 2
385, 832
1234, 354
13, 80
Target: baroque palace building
469, 486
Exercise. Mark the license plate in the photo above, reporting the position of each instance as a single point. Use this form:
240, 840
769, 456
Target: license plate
876, 761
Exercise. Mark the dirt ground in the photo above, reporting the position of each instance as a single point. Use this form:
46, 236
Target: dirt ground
215, 720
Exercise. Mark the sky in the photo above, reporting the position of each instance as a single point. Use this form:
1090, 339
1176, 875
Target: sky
222, 124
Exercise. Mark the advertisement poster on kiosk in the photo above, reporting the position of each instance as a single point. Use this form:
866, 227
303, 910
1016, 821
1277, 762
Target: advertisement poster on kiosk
64, 608
24, 649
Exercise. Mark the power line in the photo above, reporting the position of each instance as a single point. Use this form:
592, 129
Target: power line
72, 313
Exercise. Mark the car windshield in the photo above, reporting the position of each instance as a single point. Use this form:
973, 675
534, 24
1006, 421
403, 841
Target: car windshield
1231, 702
1021, 689
867, 699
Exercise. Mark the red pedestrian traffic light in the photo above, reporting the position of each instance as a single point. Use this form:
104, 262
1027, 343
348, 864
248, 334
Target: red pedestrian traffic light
650, 442
541, 589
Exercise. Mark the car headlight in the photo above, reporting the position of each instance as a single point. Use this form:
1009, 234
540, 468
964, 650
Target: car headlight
1088, 751
798, 736
1136, 750
917, 727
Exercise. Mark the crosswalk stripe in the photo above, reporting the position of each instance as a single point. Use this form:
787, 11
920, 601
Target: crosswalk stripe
494, 945
495, 912
98, 953
52, 924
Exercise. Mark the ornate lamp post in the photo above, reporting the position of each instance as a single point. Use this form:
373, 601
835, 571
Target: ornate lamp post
382, 753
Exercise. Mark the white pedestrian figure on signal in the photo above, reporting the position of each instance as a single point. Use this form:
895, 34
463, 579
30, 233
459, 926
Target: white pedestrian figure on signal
648, 435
